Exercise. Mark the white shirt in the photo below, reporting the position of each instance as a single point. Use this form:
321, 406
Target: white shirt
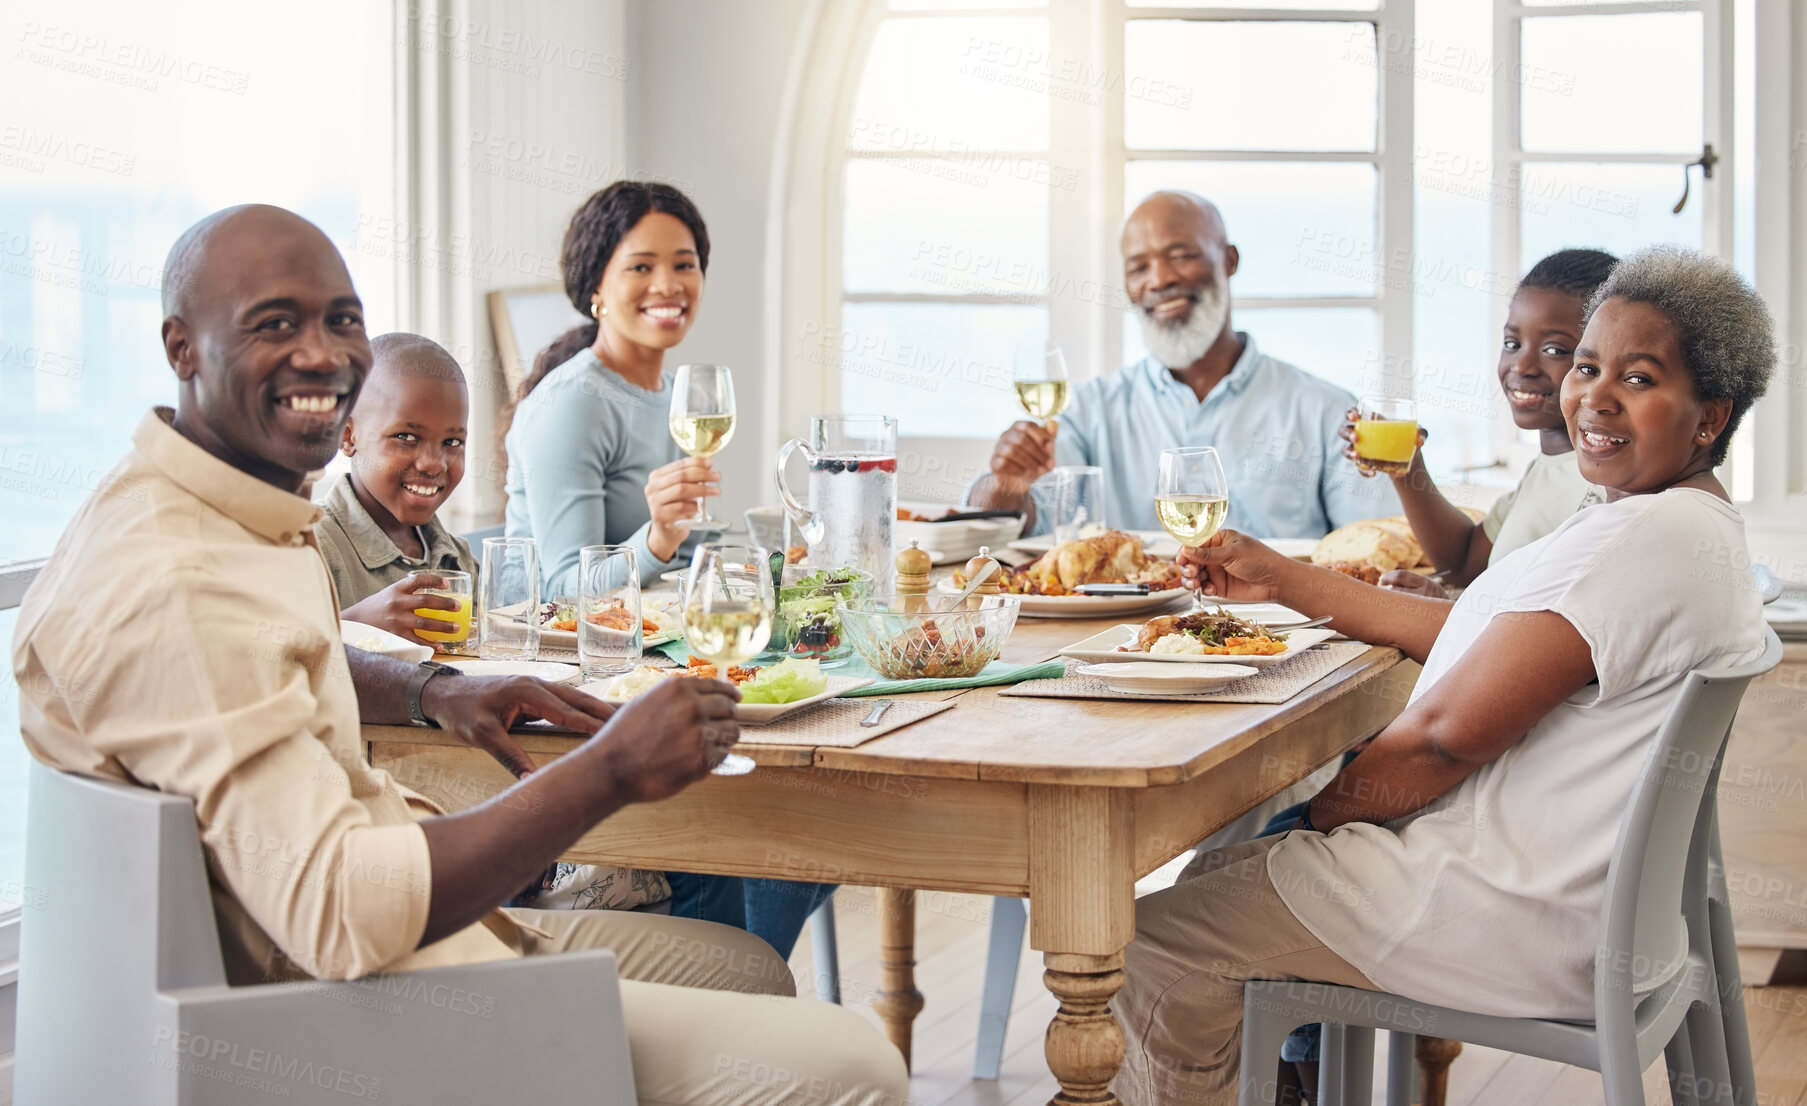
1489, 898
1552, 489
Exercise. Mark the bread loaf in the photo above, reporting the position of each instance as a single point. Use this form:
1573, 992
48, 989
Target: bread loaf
1366, 543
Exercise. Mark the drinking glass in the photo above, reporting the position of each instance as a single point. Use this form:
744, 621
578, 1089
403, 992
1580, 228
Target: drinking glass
728, 614
1078, 500
1040, 372
457, 637
608, 610
1386, 434
508, 608
1191, 496
702, 419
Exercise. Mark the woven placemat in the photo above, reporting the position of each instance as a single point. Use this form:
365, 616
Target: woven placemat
836, 722
1274, 684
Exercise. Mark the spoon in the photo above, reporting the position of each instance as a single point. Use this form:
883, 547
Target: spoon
775, 563
972, 585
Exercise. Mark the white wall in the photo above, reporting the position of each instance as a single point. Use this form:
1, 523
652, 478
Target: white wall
511, 114
703, 112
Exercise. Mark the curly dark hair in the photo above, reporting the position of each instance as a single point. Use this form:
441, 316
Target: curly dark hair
1572, 272
596, 230
1723, 325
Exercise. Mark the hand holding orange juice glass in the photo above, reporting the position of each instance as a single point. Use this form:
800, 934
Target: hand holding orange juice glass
1386, 434
457, 636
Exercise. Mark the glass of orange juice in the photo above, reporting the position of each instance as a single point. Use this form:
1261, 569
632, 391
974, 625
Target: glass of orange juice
1386, 434
456, 638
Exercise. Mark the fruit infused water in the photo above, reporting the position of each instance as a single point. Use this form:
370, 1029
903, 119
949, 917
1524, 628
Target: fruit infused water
854, 495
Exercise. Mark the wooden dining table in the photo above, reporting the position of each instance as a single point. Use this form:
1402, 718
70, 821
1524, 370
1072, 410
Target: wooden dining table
1065, 801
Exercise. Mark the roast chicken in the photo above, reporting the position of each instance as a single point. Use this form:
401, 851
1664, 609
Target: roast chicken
1112, 557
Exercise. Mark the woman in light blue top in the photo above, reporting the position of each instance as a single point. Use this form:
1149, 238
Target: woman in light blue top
590, 457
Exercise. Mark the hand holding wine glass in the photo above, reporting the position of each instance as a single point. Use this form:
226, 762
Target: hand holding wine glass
1040, 376
728, 604
1192, 495
702, 419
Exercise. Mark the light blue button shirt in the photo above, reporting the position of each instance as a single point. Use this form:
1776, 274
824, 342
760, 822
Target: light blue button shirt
579, 451
1273, 425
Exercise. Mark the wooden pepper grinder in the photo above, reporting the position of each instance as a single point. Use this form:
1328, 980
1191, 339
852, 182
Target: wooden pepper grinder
913, 566
993, 585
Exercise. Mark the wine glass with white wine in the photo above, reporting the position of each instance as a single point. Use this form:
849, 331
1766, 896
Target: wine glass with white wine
1191, 496
702, 419
1040, 376
728, 605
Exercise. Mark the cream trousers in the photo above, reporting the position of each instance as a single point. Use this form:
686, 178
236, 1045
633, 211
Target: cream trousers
713, 1018
1195, 945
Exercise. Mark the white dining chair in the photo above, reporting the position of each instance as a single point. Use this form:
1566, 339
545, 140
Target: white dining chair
1665, 980
123, 996
1661, 982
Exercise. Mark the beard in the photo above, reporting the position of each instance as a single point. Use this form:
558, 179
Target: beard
1177, 345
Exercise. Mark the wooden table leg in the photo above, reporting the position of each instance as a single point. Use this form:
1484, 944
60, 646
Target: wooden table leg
1434, 1055
1081, 916
1085, 1043
898, 1001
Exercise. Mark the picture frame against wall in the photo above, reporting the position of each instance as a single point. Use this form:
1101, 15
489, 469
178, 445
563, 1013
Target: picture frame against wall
525, 320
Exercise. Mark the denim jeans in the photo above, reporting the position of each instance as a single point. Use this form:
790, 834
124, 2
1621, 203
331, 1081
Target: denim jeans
773, 910
1301, 1045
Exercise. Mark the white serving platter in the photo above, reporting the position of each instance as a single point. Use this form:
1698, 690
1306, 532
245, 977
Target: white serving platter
1084, 606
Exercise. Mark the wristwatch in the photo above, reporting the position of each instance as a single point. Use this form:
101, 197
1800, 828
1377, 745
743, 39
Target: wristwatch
417, 683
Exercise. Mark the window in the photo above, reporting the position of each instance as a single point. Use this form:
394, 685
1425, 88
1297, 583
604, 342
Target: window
990, 152
945, 219
127, 122
1388, 172
1594, 134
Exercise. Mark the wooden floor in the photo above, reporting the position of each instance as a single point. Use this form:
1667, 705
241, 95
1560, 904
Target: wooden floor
951, 940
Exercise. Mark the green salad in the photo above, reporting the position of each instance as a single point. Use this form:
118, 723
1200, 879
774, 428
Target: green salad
806, 624
785, 682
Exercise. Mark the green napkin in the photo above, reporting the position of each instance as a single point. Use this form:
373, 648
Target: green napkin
994, 674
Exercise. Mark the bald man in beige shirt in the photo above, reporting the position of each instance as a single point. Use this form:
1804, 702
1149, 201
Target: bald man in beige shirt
184, 636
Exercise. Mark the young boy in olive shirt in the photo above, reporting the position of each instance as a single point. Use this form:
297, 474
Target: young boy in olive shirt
405, 440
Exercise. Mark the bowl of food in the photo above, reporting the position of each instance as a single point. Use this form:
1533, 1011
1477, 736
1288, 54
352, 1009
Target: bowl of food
805, 622
904, 638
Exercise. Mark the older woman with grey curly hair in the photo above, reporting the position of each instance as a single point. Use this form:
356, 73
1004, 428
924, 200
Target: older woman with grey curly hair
1462, 857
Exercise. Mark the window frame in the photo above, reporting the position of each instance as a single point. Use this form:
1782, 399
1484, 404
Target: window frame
1086, 137
1510, 157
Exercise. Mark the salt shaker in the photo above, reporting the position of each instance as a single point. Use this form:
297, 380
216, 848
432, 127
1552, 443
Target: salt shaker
993, 585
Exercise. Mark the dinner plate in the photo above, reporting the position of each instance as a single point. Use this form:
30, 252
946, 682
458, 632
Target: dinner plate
1155, 543
567, 639
374, 639
1083, 606
1146, 677
545, 670
1102, 649
758, 714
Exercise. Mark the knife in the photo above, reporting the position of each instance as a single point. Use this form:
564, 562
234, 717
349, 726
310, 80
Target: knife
1114, 589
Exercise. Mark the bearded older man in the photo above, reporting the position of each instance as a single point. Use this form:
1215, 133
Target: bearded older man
1203, 383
